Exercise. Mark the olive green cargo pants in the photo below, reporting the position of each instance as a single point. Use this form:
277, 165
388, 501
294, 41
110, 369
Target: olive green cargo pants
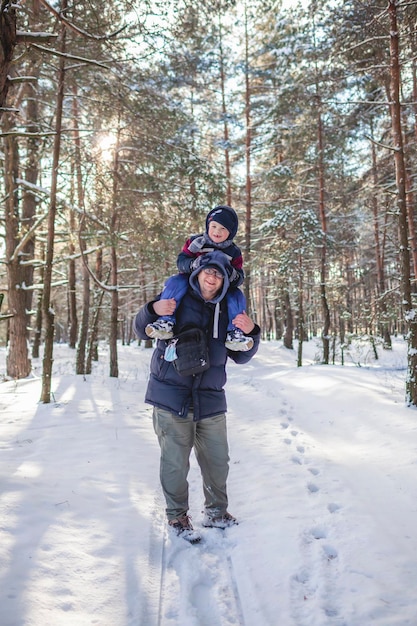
177, 437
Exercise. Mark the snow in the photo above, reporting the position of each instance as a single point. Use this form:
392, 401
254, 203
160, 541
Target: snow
322, 479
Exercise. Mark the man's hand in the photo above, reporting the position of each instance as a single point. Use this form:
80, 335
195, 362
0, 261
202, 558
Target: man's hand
244, 322
164, 307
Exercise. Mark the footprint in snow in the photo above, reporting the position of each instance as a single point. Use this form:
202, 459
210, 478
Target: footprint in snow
333, 507
302, 577
331, 612
330, 553
318, 533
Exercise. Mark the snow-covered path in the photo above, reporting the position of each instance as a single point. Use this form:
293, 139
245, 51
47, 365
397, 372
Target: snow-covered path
323, 479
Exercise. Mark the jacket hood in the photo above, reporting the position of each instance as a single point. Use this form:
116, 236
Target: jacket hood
219, 261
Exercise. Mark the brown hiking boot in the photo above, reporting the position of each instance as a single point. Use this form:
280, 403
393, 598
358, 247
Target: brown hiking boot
183, 528
226, 520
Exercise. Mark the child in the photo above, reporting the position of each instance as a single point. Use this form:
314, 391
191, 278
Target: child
221, 228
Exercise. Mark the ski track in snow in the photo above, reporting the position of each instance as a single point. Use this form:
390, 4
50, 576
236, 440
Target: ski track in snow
197, 583
192, 584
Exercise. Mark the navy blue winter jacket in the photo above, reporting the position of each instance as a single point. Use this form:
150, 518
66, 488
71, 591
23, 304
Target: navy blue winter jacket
204, 392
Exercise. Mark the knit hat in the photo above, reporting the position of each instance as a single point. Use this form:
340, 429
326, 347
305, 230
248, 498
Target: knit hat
226, 216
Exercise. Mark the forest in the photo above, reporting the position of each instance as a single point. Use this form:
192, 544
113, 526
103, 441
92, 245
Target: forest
122, 124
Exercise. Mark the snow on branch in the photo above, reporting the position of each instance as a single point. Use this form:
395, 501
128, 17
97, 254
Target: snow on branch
73, 57
40, 286
76, 29
22, 79
27, 237
26, 37
382, 145
36, 189
9, 109
24, 133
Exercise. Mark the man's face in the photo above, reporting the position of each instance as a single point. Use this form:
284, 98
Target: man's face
210, 280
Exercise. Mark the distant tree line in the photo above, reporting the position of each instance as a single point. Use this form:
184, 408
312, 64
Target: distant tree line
122, 125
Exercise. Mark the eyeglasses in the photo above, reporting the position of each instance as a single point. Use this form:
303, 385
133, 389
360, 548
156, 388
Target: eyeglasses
213, 272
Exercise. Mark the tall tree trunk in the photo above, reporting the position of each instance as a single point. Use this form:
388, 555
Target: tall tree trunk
81, 207
48, 313
72, 285
85, 317
414, 76
114, 367
289, 322
33, 143
37, 336
248, 145
29, 202
410, 202
323, 221
379, 256
92, 354
72, 271
400, 174
300, 319
349, 291
80, 362
224, 115
17, 361
7, 45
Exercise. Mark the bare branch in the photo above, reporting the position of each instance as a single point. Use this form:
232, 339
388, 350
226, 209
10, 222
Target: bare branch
381, 145
76, 29
69, 56
26, 237
85, 262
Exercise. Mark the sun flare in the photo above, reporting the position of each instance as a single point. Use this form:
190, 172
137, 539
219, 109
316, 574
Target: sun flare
105, 146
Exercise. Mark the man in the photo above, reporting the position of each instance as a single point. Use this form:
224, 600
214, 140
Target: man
189, 411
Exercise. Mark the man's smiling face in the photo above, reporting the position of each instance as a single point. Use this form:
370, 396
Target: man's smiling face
210, 280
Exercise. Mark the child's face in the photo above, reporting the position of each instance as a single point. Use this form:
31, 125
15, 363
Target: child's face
217, 232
